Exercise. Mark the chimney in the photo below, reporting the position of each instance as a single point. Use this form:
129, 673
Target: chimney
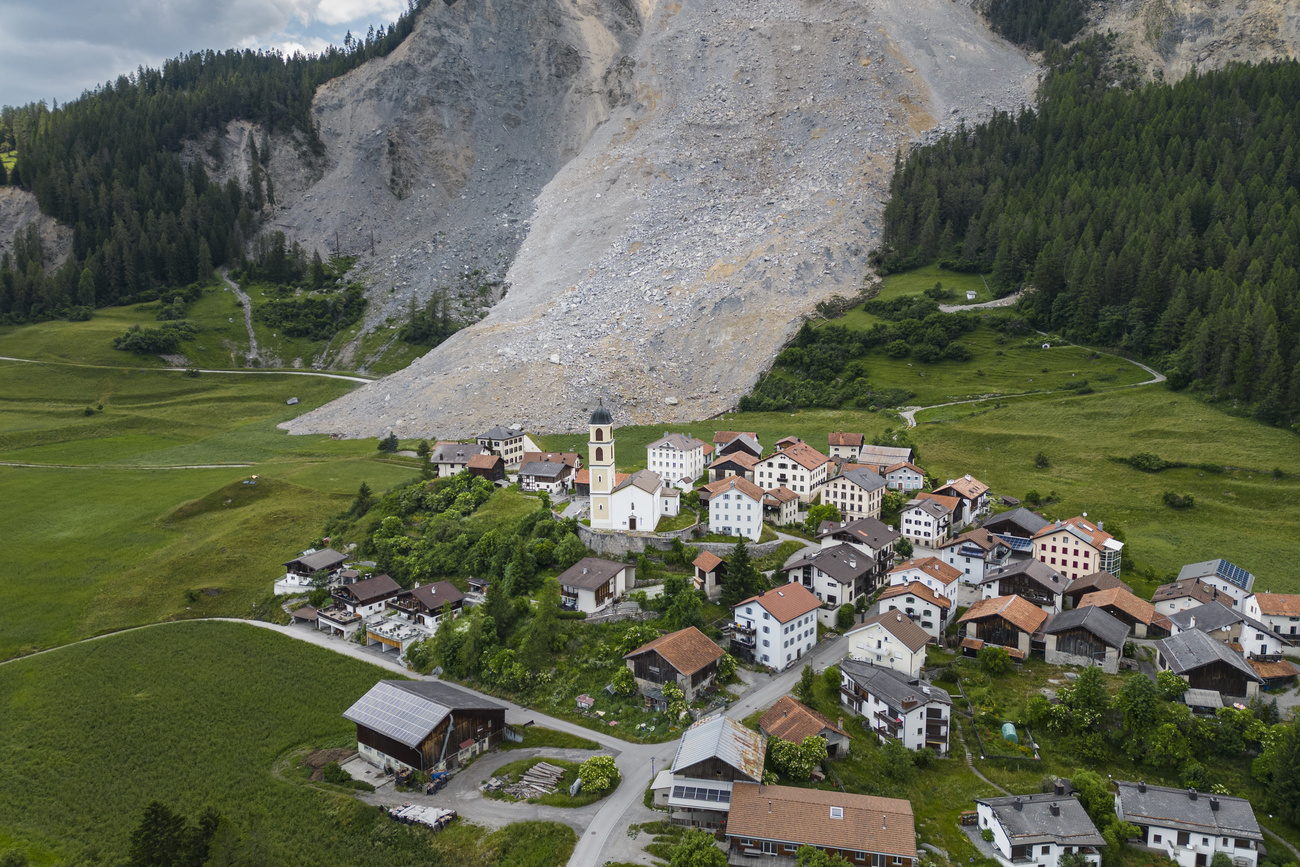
1101, 525
1142, 785
1060, 789
1192, 622
883, 819
899, 615
1214, 804
840, 724
769, 808
1055, 808
1191, 793
1020, 804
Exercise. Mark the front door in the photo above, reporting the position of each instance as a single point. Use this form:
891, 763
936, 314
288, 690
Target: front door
631, 522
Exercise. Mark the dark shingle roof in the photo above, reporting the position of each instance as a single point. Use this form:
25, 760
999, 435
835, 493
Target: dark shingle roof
844, 563
543, 469
500, 433
1042, 574
867, 531
590, 573
1030, 820
1213, 616
326, 558
1110, 629
865, 479
1021, 519
891, 686
1188, 651
1187, 810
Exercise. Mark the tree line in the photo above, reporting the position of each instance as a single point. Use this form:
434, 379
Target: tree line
1160, 219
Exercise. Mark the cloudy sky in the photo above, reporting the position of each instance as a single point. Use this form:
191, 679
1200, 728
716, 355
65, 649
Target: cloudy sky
55, 49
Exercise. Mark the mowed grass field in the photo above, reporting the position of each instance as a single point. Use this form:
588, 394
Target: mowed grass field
197, 715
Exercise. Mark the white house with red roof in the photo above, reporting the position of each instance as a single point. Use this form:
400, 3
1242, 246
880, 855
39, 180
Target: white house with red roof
903, 476
796, 465
735, 507
932, 572
927, 609
782, 623
1077, 547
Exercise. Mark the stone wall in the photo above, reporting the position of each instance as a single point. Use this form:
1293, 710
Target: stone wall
608, 543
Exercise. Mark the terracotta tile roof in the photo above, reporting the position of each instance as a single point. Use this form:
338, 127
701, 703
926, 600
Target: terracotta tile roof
931, 566
840, 438
793, 721
968, 486
978, 537
708, 561
569, 459
1139, 609
1094, 582
723, 437
484, 462
781, 494
950, 503
902, 465
1016, 610
1266, 670
786, 602
972, 643
1279, 604
1081, 528
802, 454
582, 477
734, 483
916, 588
744, 459
687, 650
1192, 588
792, 815
898, 625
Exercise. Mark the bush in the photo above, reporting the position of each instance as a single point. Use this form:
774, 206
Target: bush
844, 617
334, 773
994, 660
1178, 501
1041, 462
898, 349
598, 774
155, 341
987, 835
388, 444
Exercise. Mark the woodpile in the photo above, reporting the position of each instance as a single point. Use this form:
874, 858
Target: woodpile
540, 779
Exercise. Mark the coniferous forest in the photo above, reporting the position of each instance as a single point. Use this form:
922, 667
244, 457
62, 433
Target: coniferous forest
1161, 219
108, 165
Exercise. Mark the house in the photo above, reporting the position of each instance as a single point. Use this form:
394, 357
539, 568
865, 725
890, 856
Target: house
424, 725
973, 496
778, 627
1190, 827
868, 535
450, 459
879, 457
1085, 636
739, 463
678, 458
903, 476
1186, 593
1136, 613
780, 506
712, 756
553, 477
793, 721
395, 631
1030, 579
735, 507
591, 583
889, 640
640, 500
776, 820
1245, 634
710, 572
927, 609
895, 705
508, 442
1085, 584
1223, 577
932, 572
857, 493
925, 522
1004, 621
298, 572
1077, 548
1020, 523
423, 603
687, 658
569, 459
845, 445
973, 553
1038, 829
837, 575
366, 597
797, 466
1207, 664
490, 467
730, 442
1279, 611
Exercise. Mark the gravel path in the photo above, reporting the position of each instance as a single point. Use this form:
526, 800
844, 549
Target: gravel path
246, 304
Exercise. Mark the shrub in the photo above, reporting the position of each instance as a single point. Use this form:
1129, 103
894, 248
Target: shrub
1041, 462
844, 617
1178, 501
898, 349
598, 774
388, 444
987, 835
994, 660
334, 773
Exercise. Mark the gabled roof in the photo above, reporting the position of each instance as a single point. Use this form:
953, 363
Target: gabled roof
734, 483
866, 823
1188, 651
723, 437
896, 624
967, 486
687, 650
871, 532
1213, 616
979, 537
916, 588
1229, 572
325, 558
931, 505
484, 462
1094, 582
802, 454
902, 465
454, 453
744, 460
1035, 570
1016, 610
1139, 609
378, 587
864, 478
708, 561
720, 737
681, 442
438, 594
408, 711
792, 721
786, 602
571, 459
500, 433
1085, 531
852, 440
1266, 670
844, 563
1278, 604
895, 688
1112, 631
931, 567
544, 469
646, 480
1187, 810
590, 573
780, 494
1030, 820
883, 456
1188, 588
1022, 519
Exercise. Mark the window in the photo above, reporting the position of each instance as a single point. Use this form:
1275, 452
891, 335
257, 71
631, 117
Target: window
1046, 850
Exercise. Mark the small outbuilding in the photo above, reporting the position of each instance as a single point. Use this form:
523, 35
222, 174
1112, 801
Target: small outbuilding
1085, 636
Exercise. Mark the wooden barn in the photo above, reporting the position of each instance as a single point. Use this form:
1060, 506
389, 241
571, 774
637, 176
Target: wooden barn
424, 725
719, 748
688, 658
1207, 664
1007, 621
1085, 636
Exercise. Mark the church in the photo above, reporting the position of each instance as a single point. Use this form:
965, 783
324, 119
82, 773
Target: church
620, 501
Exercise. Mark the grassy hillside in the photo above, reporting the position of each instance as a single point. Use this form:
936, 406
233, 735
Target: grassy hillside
79, 773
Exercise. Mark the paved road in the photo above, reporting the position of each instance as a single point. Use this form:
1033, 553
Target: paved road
268, 372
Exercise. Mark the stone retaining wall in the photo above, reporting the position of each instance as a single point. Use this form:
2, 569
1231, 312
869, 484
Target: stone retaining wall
617, 545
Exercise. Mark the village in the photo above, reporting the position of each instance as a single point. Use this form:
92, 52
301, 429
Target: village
964, 573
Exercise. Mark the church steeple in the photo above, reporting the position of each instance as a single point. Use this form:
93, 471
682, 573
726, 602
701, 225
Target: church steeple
600, 464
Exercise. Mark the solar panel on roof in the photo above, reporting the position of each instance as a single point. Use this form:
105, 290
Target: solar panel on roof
402, 716
1231, 572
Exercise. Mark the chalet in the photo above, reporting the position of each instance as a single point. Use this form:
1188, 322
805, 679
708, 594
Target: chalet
424, 725
710, 572
903, 476
793, 721
366, 597
926, 521
1038, 829
896, 705
489, 467
973, 553
932, 572
680, 458
449, 459
1279, 611
776, 628
553, 477
1085, 636
1186, 593
845, 445
1020, 523
508, 442
1245, 634
730, 442
1077, 547
1207, 664
1223, 576
1004, 621
1134, 612
780, 506
878, 458
687, 658
735, 507
1190, 827
298, 572
423, 603
857, 493
591, 584
712, 756
1029, 579
797, 466
837, 575
973, 496
1085, 584
889, 640
868, 535
865, 830
926, 608
735, 464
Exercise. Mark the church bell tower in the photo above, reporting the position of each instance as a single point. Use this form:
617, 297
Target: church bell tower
600, 463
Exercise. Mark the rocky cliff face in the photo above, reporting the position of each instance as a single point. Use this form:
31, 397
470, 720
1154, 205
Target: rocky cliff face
737, 181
